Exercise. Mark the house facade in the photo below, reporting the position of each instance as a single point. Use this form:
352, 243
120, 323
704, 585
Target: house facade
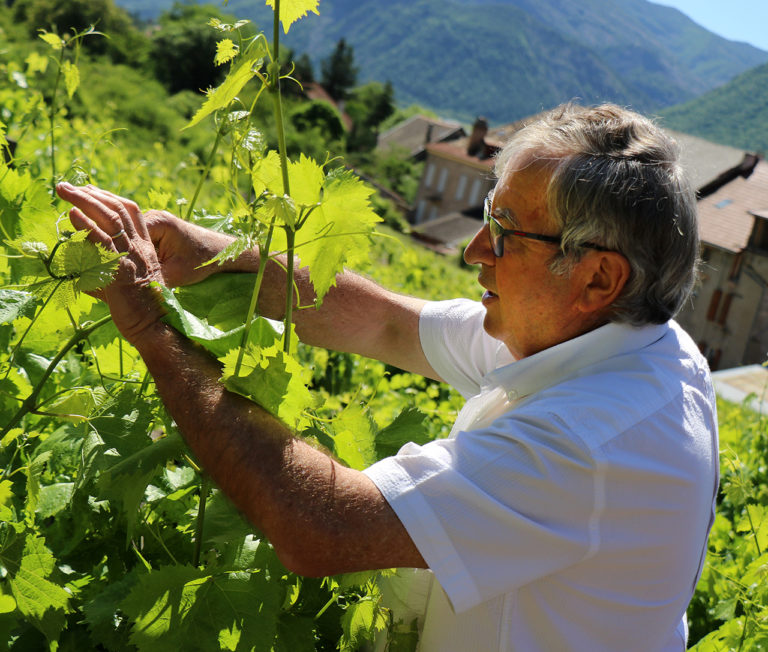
728, 313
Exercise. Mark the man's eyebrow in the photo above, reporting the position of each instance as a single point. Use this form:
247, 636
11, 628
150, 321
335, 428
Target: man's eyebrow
508, 216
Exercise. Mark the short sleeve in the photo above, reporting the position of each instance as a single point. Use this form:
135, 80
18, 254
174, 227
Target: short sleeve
494, 509
457, 346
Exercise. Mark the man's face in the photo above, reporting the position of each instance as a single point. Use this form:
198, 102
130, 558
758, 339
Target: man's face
527, 307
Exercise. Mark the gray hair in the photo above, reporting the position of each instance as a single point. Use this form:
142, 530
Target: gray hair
617, 181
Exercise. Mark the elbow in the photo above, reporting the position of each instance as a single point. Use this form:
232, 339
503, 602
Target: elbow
306, 560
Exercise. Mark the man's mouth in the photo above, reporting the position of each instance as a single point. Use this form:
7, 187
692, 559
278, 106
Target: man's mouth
489, 295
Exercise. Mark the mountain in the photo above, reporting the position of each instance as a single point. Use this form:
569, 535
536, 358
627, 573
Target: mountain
509, 58
734, 114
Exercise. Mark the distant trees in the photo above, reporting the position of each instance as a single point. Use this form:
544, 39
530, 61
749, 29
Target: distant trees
123, 43
338, 71
184, 46
368, 106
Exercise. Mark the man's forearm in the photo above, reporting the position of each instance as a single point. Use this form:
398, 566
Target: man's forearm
356, 316
322, 517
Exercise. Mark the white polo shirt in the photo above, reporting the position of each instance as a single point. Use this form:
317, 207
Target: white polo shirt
570, 506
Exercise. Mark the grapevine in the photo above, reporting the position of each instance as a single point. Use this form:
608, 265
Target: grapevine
111, 536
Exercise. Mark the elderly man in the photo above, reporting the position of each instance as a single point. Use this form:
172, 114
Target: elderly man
570, 506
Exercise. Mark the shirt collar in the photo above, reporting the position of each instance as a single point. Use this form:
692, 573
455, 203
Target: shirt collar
567, 359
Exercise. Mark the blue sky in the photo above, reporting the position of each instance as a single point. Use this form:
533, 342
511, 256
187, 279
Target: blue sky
737, 20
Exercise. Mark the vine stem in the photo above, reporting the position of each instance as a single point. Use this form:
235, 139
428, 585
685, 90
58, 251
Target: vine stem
290, 232
205, 488
206, 171
754, 532
12, 357
29, 403
51, 119
263, 260
288, 320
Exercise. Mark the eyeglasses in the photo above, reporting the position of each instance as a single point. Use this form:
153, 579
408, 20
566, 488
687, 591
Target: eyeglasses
496, 233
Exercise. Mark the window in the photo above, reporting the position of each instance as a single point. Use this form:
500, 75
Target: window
713, 303
461, 186
420, 211
474, 194
725, 308
441, 181
429, 175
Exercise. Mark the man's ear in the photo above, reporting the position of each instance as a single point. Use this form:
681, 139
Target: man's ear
605, 275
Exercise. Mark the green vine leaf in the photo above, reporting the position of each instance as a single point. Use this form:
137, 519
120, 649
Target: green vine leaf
337, 232
230, 87
54, 40
71, 77
307, 179
292, 10
226, 50
89, 265
36, 63
266, 175
183, 608
263, 331
38, 599
274, 380
15, 304
360, 623
353, 437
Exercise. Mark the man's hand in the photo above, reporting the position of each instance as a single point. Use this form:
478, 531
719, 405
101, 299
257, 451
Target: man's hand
183, 247
118, 225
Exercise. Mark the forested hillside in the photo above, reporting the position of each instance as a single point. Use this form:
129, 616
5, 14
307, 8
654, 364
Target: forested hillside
735, 114
508, 59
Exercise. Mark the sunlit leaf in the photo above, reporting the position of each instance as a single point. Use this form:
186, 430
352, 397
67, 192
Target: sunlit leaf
7, 604
337, 233
353, 437
360, 622
40, 600
36, 63
224, 94
14, 304
175, 607
71, 77
292, 10
54, 40
272, 379
90, 265
226, 50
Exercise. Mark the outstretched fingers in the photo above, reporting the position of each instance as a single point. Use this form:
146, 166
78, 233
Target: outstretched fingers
96, 235
110, 215
127, 208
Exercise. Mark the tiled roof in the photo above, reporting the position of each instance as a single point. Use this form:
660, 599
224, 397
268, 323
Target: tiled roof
459, 153
494, 140
726, 217
703, 160
412, 133
451, 229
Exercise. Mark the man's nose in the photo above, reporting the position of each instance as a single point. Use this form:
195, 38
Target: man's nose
479, 249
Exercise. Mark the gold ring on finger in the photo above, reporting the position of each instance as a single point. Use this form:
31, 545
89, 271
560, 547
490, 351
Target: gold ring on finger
119, 234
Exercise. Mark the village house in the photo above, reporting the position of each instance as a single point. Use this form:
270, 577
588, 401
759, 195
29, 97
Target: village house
457, 176
728, 315
412, 135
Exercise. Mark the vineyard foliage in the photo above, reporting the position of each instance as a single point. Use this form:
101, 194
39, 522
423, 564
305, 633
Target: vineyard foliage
111, 537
